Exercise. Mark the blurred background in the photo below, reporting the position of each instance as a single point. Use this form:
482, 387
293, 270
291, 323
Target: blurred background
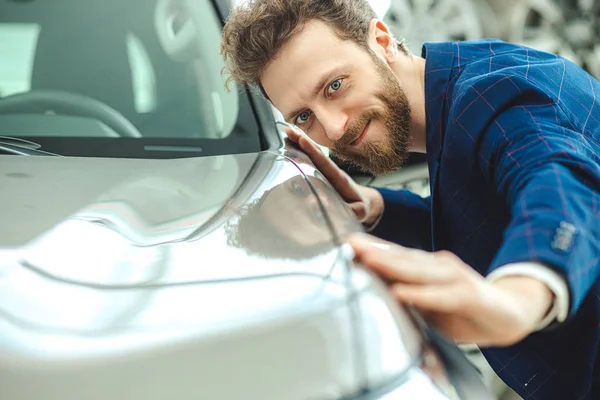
566, 27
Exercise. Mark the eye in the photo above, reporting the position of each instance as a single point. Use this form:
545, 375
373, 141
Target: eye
334, 86
302, 118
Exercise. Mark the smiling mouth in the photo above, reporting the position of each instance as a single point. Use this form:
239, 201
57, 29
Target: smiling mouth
359, 139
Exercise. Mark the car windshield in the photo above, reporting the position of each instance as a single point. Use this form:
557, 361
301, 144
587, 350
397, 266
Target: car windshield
114, 78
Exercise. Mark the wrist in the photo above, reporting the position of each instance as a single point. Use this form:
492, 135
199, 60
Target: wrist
533, 298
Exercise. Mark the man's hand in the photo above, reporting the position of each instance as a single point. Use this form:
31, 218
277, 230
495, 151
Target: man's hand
365, 202
455, 298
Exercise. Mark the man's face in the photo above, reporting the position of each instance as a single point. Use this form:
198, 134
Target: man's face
343, 96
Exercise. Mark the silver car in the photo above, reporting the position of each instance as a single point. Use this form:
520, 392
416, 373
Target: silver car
159, 237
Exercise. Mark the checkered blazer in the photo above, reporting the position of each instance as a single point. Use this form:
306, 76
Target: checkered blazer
513, 147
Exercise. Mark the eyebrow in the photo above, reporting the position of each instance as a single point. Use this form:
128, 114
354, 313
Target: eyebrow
318, 87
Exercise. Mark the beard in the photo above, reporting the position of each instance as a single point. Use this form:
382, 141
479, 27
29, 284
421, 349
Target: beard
379, 156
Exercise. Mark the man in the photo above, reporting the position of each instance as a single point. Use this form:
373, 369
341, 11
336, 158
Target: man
505, 253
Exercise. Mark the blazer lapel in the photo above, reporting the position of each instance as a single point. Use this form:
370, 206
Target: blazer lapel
439, 63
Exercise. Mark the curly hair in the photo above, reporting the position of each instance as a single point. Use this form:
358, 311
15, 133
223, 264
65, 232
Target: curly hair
257, 30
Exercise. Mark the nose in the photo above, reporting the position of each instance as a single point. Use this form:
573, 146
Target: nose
333, 122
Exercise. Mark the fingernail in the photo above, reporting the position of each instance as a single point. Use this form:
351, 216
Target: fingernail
382, 246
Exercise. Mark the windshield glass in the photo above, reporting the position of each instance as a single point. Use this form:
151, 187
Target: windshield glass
114, 78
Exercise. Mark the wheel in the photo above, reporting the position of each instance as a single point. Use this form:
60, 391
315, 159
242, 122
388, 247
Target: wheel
568, 28
420, 21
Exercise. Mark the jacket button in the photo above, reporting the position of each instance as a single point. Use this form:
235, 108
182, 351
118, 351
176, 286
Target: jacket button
563, 238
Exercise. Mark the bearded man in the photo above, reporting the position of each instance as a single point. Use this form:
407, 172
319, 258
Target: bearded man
505, 253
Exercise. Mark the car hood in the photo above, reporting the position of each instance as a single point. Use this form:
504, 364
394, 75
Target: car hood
128, 278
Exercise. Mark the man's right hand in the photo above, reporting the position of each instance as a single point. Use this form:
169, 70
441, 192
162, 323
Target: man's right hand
365, 202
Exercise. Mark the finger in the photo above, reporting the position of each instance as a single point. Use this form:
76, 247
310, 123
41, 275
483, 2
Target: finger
363, 241
338, 178
292, 134
342, 183
310, 148
359, 209
400, 264
430, 298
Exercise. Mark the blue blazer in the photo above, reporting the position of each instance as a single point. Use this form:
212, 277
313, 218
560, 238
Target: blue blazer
513, 147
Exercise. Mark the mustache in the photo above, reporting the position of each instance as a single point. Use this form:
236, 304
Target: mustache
354, 131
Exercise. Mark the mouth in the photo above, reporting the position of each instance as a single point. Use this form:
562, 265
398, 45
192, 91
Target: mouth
362, 136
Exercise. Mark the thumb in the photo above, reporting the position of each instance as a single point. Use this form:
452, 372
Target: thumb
359, 209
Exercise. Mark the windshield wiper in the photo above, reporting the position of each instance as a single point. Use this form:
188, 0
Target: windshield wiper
22, 147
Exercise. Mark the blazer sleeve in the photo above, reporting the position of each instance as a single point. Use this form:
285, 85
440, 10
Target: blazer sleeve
406, 219
548, 173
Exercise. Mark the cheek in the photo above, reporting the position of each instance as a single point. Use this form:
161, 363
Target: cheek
366, 103
359, 98
378, 131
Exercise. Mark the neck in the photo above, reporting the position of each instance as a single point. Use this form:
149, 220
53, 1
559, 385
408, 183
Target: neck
410, 70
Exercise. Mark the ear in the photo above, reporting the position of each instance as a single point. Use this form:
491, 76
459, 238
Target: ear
382, 42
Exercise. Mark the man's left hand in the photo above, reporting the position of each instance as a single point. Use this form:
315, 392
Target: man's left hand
453, 297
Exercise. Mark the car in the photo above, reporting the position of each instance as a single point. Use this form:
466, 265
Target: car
161, 238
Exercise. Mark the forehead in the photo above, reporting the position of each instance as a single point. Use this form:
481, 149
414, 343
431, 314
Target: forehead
314, 51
